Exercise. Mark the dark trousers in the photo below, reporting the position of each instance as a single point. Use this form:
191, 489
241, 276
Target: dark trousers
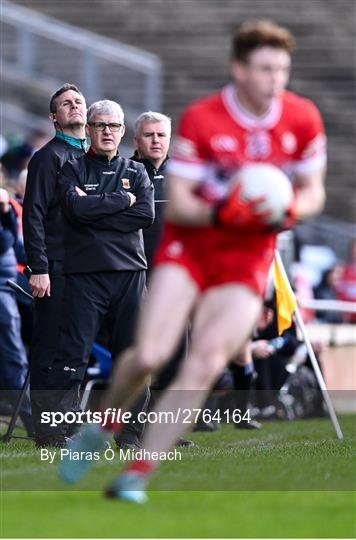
271, 377
88, 298
45, 338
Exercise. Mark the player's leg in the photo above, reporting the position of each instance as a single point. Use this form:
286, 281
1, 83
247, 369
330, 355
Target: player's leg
215, 339
161, 322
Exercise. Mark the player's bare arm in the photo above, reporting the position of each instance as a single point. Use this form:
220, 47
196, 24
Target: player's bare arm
309, 193
189, 207
184, 206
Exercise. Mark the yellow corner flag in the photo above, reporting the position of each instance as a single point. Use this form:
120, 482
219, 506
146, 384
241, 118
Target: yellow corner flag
285, 297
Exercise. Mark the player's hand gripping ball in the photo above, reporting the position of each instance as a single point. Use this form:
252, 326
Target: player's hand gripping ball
261, 198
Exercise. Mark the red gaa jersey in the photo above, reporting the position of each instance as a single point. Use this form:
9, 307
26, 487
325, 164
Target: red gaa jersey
217, 136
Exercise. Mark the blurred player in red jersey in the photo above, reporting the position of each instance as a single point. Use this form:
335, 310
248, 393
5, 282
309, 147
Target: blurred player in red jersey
216, 252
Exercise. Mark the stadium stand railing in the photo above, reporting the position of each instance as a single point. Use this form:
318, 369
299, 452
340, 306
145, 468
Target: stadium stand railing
327, 231
39, 53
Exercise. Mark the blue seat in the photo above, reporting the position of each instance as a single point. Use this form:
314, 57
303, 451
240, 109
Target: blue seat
103, 360
98, 374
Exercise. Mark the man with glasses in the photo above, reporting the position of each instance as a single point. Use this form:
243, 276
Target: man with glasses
106, 201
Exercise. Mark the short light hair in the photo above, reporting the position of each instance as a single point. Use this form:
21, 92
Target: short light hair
262, 33
105, 106
151, 116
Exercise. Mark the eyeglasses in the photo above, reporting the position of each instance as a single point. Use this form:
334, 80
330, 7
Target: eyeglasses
100, 126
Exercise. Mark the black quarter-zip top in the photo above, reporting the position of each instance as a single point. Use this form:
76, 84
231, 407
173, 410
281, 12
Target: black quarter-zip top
102, 232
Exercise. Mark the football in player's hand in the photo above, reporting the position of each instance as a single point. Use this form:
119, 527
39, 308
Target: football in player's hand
269, 184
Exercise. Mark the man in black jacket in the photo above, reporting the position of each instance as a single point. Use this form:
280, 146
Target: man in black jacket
106, 201
152, 139
43, 237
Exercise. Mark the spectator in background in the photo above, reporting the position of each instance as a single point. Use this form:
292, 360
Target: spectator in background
24, 304
303, 289
20, 186
285, 386
270, 354
43, 237
3, 146
347, 283
13, 361
327, 289
16, 158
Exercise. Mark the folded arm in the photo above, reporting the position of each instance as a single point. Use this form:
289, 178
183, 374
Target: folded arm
139, 216
87, 210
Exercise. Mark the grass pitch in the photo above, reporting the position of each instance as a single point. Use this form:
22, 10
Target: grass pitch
291, 479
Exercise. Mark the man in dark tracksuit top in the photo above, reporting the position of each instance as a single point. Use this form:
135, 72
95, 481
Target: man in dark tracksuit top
106, 201
152, 139
43, 237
